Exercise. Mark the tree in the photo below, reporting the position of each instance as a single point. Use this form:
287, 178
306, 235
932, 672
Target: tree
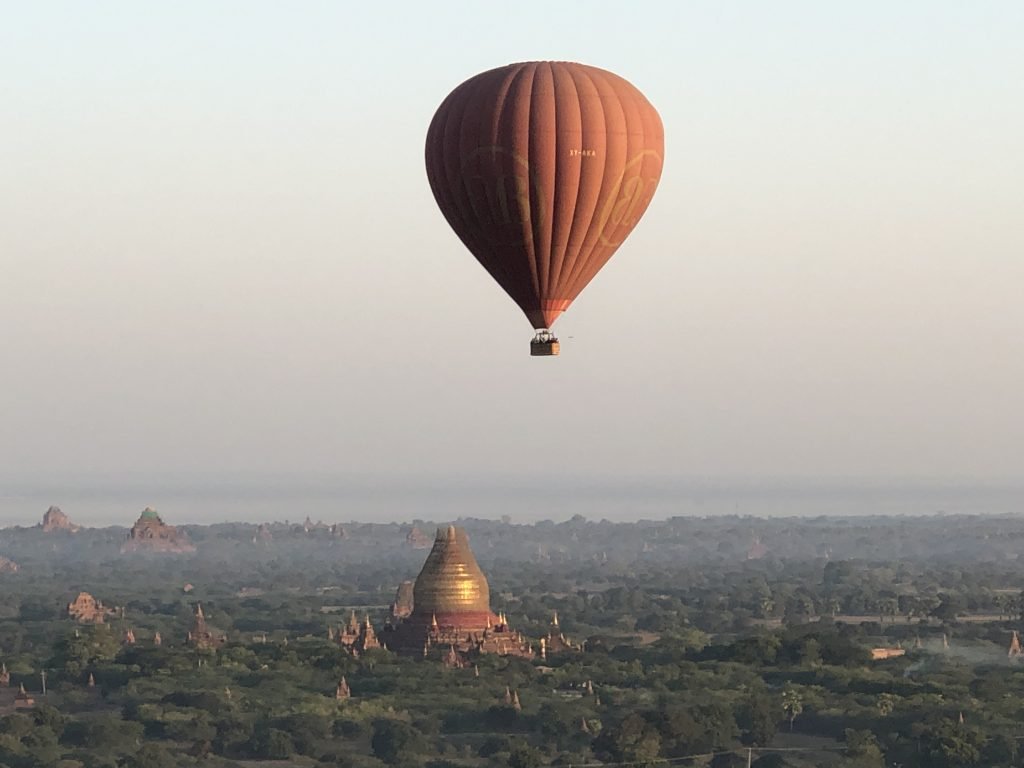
45, 715
886, 703
633, 740
950, 745
78, 653
792, 704
392, 739
271, 743
1001, 749
949, 607
110, 731
494, 744
524, 756
862, 750
151, 755
759, 719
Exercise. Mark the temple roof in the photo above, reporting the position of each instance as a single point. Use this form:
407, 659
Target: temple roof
451, 581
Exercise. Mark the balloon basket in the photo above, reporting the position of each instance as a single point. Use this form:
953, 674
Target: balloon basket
544, 344
544, 347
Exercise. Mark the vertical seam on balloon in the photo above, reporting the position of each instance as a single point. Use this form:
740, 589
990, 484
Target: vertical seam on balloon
531, 248
520, 288
555, 280
551, 207
585, 254
579, 255
542, 253
508, 279
633, 99
508, 105
473, 111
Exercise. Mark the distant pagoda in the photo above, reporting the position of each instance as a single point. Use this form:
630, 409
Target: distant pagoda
417, 538
451, 612
1015, 651
86, 609
55, 520
201, 636
342, 692
23, 699
151, 534
262, 535
556, 642
357, 636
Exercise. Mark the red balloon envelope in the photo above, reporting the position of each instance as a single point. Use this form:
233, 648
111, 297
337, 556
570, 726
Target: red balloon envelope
543, 169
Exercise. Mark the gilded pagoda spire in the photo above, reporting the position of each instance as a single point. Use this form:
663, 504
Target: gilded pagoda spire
451, 581
451, 606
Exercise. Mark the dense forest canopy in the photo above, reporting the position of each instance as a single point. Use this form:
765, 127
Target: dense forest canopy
702, 638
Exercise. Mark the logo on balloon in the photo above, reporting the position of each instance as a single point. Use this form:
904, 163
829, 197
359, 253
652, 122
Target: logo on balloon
503, 193
629, 198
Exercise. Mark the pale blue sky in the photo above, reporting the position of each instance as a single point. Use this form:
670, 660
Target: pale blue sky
219, 252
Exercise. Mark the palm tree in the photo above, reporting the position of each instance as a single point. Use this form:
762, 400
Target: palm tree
792, 704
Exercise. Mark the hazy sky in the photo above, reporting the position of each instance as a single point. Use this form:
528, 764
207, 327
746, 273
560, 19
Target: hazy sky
219, 252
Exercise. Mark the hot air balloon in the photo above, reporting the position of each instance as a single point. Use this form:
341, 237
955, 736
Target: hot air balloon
543, 169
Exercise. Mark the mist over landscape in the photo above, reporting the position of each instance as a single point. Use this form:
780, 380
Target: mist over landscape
100, 501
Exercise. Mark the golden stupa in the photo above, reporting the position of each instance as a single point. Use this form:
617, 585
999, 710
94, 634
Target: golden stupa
451, 585
451, 606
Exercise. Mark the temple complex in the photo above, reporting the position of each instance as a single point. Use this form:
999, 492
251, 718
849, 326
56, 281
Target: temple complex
357, 636
451, 613
200, 636
151, 534
556, 642
55, 520
5, 676
1014, 651
86, 609
8, 566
